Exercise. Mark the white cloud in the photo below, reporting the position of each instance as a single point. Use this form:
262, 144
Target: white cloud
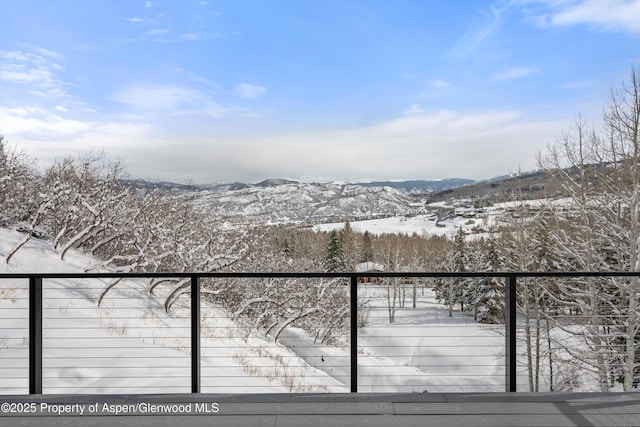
17, 73
48, 53
611, 15
513, 73
189, 36
150, 4
35, 69
174, 100
427, 145
199, 81
440, 84
46, 135
159, 97
186, 37
37, 121
156, 31
413, 109
478, 32
246, 90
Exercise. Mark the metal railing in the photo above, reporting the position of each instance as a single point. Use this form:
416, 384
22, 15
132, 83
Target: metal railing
35, 310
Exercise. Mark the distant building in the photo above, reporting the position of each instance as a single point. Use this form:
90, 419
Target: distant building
369, 267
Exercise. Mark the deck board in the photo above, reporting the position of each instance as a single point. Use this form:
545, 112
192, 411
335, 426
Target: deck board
415, 409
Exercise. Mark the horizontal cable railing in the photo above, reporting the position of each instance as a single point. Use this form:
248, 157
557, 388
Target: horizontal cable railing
311, 332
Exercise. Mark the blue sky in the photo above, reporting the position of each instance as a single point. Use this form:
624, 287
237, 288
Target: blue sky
235, 90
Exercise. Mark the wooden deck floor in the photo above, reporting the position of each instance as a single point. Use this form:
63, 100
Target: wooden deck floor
306, 410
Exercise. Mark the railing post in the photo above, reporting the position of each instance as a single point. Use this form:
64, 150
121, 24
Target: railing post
354, 333
195, 334
510, 333
35, 335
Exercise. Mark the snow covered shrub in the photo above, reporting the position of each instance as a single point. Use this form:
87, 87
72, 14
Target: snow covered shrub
18, 185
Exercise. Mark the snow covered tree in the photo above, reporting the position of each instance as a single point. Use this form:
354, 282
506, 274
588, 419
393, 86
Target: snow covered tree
350, 247
269, 306
547, 306
393, 260
335, 261
89, 201
21, 200
489, 295
456, 290
18, 186
416, 262
600, 171
518, 252
368, 253
84, 206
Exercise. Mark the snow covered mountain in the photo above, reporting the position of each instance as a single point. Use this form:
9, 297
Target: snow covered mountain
293, 202
278, 201
281, 201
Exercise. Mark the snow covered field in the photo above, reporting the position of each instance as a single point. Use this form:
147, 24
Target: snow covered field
423, 225
130, 345
427, 225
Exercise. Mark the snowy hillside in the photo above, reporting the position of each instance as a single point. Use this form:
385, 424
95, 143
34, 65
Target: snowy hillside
131, 345
300, 202
376, 208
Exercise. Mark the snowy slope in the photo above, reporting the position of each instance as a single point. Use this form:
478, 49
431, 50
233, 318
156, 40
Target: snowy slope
129, 344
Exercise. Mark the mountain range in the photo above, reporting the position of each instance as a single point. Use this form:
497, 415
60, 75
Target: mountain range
282, 201
407, 186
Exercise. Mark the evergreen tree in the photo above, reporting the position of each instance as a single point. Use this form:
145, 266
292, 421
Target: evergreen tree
368, 252
489, 298
334, 261
460, 287
349, 246
450, 291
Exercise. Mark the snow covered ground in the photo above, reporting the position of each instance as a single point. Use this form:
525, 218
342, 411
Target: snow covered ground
424, 350
447, 217
130, 345
423, 225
